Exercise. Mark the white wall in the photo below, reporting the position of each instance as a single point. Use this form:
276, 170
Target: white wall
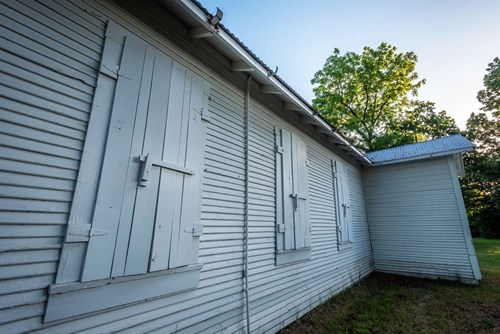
285, 292
50, 57
417, 221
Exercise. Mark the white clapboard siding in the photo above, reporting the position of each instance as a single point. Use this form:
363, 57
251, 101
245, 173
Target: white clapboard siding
47, 76
285, 292
50, 53
415, 222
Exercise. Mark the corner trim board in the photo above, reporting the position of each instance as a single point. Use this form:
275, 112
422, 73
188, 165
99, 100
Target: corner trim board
463, 218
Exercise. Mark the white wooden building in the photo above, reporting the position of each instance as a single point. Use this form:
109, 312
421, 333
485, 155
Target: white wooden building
415, 207
156, 176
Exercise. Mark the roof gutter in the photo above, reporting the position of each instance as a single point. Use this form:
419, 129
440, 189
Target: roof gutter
354, 148
198, 12
245, 56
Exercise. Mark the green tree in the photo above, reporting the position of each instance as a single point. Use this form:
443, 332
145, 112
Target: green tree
490, 95
417, 123
363, 94
481, 183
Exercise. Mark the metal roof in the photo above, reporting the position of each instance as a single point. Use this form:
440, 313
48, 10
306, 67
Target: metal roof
426, 149
192, 13
195, 16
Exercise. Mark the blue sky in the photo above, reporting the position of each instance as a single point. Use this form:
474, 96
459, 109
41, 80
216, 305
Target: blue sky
454, 40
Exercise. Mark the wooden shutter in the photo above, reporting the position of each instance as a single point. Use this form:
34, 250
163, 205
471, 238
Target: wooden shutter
100, 249
292, 207
142, 198
176, 243
347, 204
341, 184
149, 193
300, 193
284, 188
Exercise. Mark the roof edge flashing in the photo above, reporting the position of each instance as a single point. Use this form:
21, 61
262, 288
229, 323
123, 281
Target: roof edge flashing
225, 37
199, 13
421, 157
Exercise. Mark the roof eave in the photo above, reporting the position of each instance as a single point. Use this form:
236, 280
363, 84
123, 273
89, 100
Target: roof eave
422, 157
261, 70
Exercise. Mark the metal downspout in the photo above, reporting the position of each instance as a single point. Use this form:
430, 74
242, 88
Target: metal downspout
245, 214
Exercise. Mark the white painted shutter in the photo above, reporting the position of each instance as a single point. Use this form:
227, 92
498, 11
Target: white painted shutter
149, 193
292, 207
178, 218
142, 200
343, 203
111, 188
284, 188
300, 193
347, 203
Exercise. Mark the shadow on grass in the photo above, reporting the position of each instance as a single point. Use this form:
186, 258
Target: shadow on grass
385, 303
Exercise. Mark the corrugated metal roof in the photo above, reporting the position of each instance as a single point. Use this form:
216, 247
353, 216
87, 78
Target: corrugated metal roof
422, 150
358, 154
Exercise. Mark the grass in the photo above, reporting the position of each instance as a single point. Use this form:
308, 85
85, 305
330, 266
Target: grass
385, 303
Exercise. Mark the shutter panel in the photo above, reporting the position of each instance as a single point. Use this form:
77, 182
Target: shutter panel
115, 166
347, 203
292, 206
83, 203
171, 182
337, 174
342, 209
178, 218
343, 203
338, 200
284, 191
301, 191
280, 213
147, 213
186, 251
150, 142
129, 197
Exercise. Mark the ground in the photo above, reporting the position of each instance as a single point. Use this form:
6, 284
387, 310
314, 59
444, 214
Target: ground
385, 303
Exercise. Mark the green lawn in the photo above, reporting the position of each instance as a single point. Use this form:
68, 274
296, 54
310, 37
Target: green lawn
394, 304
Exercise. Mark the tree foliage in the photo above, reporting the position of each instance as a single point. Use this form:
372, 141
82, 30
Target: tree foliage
418, 123
481, 183
490, 95
362, 93
368, 97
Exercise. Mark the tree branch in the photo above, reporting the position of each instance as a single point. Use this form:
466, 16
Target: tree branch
349, 108
379, 111
366, 103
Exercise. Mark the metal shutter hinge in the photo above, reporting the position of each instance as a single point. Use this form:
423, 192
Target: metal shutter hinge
205, 114
197, 230
109, 70
83, 232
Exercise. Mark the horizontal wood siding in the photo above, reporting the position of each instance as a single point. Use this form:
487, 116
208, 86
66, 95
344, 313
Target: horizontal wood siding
416, 228
280, 294
50, 53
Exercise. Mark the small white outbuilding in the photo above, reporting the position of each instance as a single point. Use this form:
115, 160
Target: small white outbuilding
417, 216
